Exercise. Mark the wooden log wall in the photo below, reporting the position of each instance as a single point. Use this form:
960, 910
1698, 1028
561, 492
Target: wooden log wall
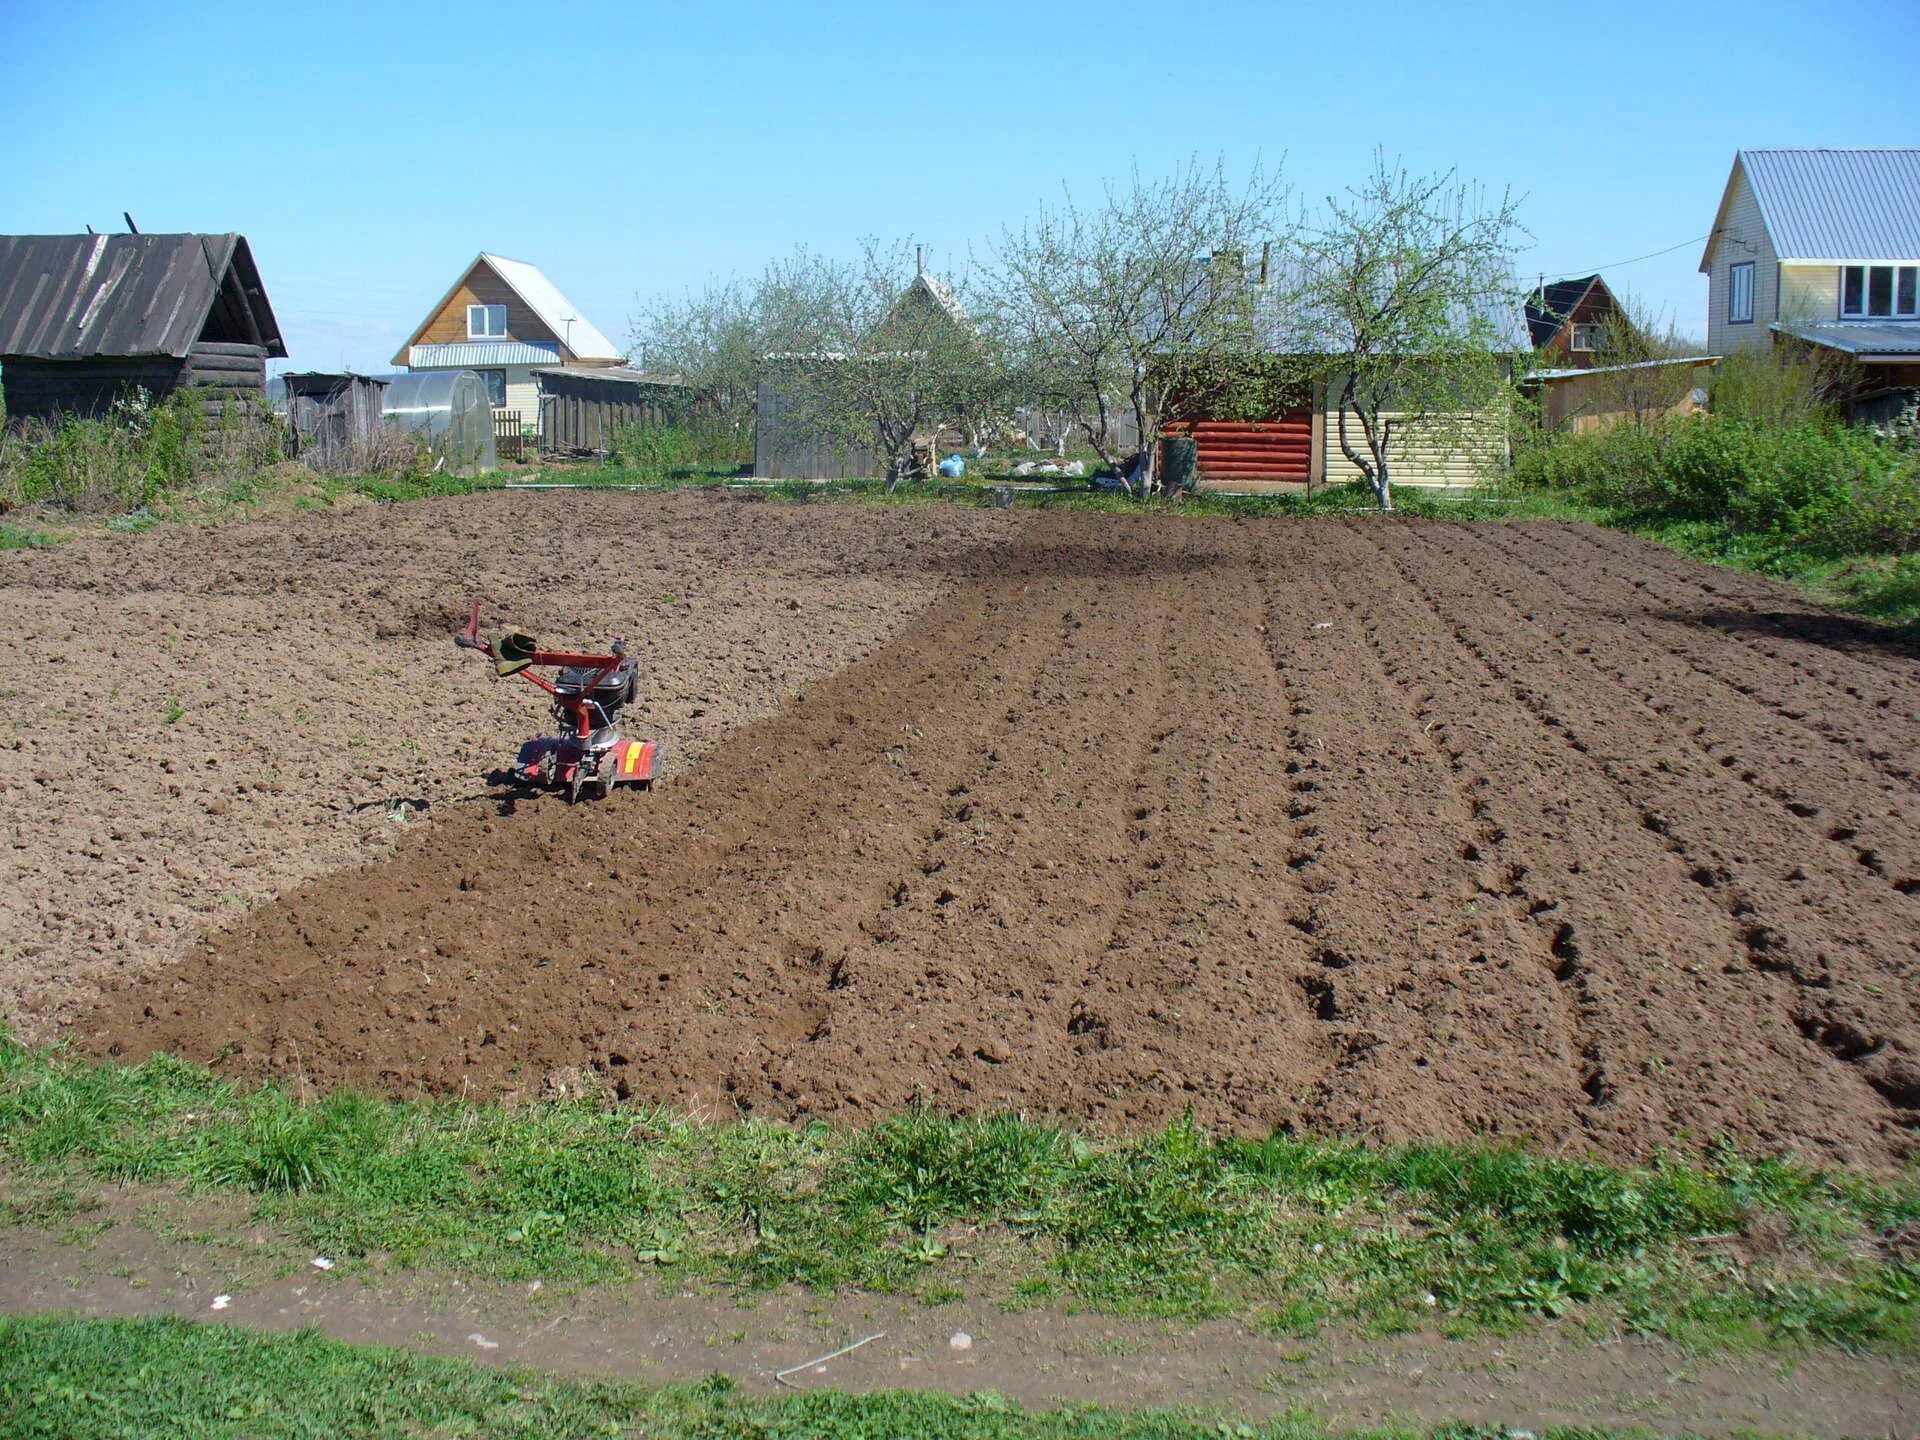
46, 389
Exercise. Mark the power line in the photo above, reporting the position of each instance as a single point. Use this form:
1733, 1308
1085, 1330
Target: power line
1619, 264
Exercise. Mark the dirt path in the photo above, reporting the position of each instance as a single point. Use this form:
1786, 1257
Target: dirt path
1408, 829
1549, 1376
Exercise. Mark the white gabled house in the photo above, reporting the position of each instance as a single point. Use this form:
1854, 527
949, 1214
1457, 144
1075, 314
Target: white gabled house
506, 321
1821, 247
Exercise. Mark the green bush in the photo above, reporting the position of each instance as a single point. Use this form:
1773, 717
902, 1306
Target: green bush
141, 451
1808, 482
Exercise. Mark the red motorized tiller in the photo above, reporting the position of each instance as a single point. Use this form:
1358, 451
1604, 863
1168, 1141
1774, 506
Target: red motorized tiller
587, 695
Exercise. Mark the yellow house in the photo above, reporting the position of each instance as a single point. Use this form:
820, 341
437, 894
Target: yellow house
1821, 245
506, 321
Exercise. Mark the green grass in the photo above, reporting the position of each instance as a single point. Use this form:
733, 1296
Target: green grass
17, 537
80, 1379
1286, 1233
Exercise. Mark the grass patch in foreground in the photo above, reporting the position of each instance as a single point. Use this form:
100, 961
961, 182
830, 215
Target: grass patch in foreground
18, 537
1287, 1233
132, 1379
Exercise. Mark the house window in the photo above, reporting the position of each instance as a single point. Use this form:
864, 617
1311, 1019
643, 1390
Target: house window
1879, 291
1740, 294
496, 386
1586, 337
486, 322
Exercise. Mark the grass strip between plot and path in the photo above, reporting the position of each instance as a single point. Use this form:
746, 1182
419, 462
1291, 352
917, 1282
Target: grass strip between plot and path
1286, 1233
78, 1379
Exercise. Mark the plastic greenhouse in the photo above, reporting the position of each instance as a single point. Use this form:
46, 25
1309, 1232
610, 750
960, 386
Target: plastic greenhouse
450, 410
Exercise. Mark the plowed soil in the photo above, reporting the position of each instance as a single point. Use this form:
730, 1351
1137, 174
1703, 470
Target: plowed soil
196, 719
1386, 827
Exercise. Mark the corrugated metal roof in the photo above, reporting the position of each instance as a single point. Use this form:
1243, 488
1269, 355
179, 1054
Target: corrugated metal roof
560, 314
1549, 306
613, 374
1838, 205
1869, 338
465, 355
75, 297
1575, 374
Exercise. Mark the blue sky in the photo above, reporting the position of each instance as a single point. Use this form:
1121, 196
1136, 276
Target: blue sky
368, 151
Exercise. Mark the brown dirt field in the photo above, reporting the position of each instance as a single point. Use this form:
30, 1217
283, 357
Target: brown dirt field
324, 711
1386, 827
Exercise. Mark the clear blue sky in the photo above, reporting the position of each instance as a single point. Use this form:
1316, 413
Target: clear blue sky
368, 151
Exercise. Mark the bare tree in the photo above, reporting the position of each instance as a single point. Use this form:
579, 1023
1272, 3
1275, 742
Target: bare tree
1637, 383
1109, 310
869, 353
1400, 311
891, 356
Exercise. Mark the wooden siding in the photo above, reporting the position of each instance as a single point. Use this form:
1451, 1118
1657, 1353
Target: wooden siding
1810, 292
1743, 238
479, 286
1596, 307
1429, 460
781, 451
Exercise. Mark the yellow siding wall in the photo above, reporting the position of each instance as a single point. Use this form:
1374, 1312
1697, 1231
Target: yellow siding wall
1743, 238
1464, 456
1809, 292
523, 396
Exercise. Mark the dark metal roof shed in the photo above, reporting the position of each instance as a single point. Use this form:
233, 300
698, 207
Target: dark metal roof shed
78, 297
1549, 307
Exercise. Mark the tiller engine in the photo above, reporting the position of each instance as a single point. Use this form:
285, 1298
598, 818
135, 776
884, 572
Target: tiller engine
591, 755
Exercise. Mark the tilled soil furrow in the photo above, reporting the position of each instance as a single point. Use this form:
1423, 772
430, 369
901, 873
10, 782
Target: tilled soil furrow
1860, 660
1768, 899
1378, 827
1834, 797
1201, 965
1861, 730
1595, 941
1435, 1000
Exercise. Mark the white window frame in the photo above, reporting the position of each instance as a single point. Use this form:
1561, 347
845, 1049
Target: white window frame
1865, 310
487, 378
1590, 333
486, 314
1739, 313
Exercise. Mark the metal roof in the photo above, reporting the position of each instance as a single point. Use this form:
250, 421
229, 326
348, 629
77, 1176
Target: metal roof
1549, 307
1838, 205
1577, 372
465, 355
1888, 339
612, 374
76, 297
559, 314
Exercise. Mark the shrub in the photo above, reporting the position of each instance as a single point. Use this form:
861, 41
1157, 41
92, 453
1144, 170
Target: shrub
1808, 482
140, 451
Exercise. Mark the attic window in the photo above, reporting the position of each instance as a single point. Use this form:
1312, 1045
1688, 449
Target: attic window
1586, 337
1879, 291
486, 322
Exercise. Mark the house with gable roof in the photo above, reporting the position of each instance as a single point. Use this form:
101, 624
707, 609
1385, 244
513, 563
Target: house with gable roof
1567, 320
1820, 248
504, 320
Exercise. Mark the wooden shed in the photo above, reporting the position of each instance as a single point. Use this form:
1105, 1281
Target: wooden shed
582, 411
84, 319
336, 421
